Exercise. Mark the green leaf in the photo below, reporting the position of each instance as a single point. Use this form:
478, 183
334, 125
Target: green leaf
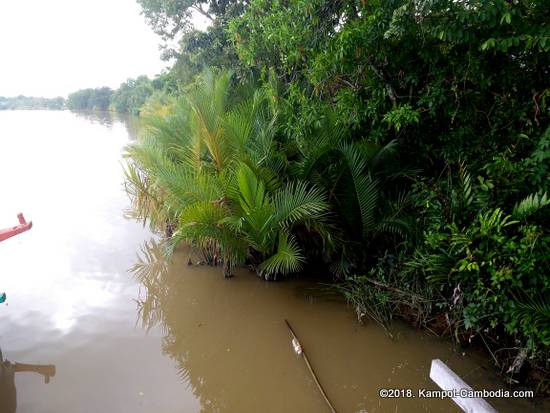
251, 189
506, 17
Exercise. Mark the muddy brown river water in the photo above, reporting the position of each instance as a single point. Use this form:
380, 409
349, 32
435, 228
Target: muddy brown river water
128, 332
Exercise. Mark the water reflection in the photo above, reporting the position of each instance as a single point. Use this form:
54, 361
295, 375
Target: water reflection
160, 307
106, 118
71, 301
214, 358
100, 117
231, 346
8, 370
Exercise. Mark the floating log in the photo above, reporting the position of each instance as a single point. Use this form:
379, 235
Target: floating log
299, 349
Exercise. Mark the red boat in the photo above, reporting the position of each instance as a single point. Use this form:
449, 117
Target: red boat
18, 229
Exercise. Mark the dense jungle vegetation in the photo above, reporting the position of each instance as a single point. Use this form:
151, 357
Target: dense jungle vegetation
399, 148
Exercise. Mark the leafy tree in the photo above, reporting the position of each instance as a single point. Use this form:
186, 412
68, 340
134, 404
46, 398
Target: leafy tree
172, 17
193, 49
90, 99
132, 94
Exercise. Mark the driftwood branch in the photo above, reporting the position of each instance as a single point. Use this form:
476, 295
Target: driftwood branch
310, 368
396, 290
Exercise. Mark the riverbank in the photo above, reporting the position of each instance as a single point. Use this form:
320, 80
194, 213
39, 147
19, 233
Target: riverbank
72, 304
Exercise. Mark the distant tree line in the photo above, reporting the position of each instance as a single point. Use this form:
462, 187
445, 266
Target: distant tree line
128, 98
27, 102
95, 99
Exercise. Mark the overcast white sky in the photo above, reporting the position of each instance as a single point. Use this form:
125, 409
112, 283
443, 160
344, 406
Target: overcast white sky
54, 47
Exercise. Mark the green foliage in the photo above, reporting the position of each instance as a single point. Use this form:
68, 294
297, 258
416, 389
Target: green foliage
169, 18
191, 48
530, 205
401, 116
532, 315
423, 126
207, 178
364, 186
90, 99
131, 95
488, 256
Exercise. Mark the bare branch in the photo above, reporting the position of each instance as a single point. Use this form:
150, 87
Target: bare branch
202, 11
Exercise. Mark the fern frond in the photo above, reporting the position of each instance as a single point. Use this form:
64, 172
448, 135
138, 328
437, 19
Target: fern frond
466, 185
494, 220
530, 205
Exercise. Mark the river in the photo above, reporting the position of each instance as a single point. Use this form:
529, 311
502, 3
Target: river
88, 292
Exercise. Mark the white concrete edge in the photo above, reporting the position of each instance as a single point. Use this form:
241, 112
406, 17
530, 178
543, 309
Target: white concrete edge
446, 379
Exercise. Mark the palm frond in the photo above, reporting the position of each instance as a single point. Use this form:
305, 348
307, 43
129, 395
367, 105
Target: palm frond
184, 187
146, 198
208, 225
318, 149
394, 225
208, 99
208, 107
297, 202
467, 195
396, 220
239, 122
366, 188
251, 189
288, 258
376, 155
534, 313
172, 130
